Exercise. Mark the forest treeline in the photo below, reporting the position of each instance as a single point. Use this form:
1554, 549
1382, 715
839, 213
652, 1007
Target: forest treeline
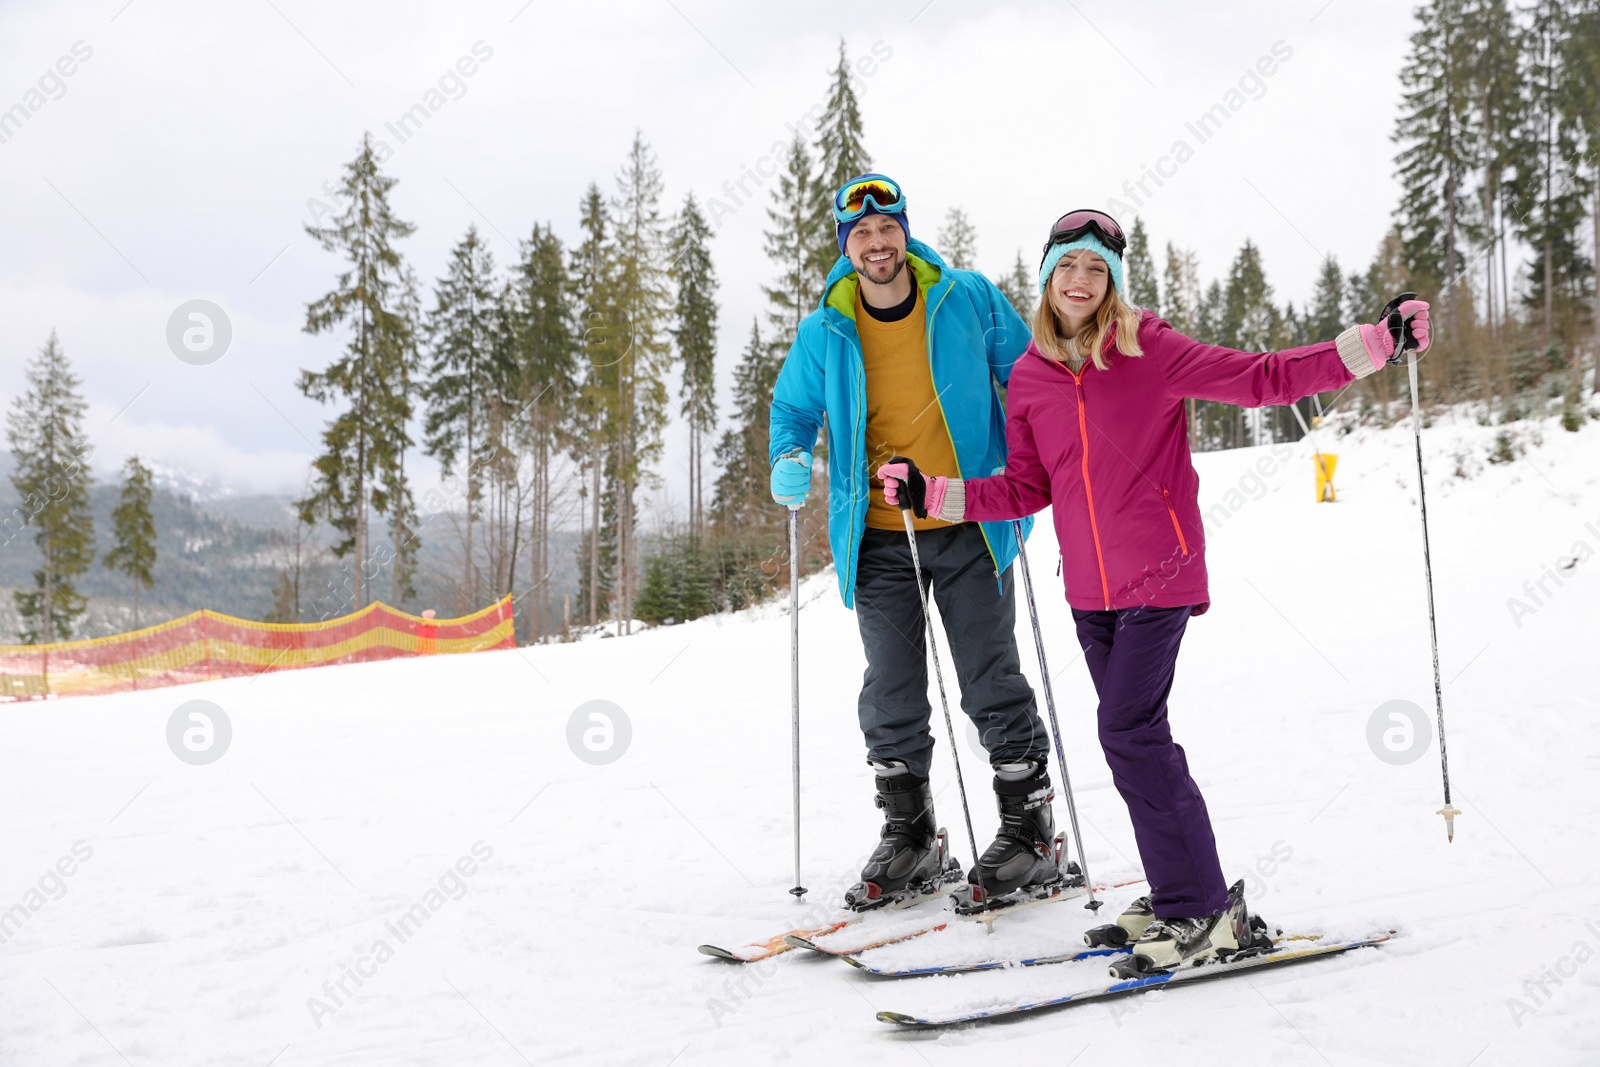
543, 385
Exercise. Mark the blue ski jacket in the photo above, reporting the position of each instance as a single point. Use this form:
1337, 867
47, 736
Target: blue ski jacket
974, 338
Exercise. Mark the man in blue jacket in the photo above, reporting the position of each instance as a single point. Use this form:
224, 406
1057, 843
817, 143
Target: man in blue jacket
908, 357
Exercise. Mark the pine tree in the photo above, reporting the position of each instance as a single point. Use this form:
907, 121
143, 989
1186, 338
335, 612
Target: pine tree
1143, 289
1325, 316
461, 382
547, 360
1552, 181
134, 531
841, 155
958, 241
1249, 319
50, 472
1021, 288
743, 498
1496, 85
1437, 214
696, 335
644, 301
1181, 308
395, 404
369, 299
791, 244
594, 294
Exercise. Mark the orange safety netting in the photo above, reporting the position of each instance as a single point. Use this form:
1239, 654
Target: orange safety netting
208, 644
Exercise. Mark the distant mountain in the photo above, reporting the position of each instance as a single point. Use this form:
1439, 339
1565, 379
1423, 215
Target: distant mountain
219, 549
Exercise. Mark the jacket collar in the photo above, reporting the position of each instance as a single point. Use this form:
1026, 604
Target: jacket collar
840, 291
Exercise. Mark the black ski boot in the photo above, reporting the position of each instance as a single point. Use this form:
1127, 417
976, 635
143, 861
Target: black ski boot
912, 860
1025, 861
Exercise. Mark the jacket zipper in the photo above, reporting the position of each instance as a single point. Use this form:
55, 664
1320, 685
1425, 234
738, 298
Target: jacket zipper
1088, 489
1183, 545
939, 401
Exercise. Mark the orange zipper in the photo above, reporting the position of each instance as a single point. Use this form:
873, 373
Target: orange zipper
1088, 490
1183, 545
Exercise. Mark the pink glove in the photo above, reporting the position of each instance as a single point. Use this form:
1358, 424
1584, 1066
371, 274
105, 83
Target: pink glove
924, 495
1380, 345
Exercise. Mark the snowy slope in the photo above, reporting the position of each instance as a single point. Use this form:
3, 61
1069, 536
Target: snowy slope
212, 912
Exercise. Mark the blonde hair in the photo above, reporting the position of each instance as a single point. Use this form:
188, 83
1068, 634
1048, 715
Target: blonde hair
1048, 335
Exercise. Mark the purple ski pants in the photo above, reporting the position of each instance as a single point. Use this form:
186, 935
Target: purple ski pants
1132, 654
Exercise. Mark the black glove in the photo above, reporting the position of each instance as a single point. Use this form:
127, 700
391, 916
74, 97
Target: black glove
913, 491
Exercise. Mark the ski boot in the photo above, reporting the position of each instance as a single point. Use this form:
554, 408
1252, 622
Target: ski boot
1168, 944
1026, 862
912, 859
1128, 928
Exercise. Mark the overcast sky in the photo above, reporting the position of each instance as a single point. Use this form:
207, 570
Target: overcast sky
182, 154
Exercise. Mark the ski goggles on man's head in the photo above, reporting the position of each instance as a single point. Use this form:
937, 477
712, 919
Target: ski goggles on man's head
1074, 224
875, 191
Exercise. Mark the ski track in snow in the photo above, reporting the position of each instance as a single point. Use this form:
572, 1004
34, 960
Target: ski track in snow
219, 900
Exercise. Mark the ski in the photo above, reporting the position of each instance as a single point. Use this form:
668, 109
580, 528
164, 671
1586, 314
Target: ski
843, 949
802, 937
1303, 947
971, 968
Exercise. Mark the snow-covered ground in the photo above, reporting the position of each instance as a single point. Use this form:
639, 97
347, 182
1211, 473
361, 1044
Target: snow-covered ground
407, 863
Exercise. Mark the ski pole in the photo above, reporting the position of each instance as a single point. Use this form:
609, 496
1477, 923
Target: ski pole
799, 890
1322, 464
1050, 706
1397, 329
933, 647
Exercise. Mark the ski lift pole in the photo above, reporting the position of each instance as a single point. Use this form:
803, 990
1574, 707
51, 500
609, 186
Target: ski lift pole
1050, 707
1397, 330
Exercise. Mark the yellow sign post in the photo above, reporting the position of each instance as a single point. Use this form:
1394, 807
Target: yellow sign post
1326, 462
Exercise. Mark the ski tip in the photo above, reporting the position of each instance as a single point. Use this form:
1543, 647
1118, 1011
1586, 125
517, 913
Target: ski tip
797, 941
898, 1019
716, 953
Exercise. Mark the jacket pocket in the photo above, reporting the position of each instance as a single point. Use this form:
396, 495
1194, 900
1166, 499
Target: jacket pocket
1183, 542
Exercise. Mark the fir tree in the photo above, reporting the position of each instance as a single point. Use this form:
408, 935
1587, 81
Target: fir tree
1552, 180
743, 498
696, 335
841, 155
1141, 273
395, 405
790, 244
369, 299
1021, 288
644, 300
1437, 215
547, 359
958, 241
1325, 316
50, 472
462, 381
134, 531
594, 287
1181, 276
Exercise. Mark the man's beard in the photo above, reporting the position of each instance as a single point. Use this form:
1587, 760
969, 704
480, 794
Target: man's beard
866, 270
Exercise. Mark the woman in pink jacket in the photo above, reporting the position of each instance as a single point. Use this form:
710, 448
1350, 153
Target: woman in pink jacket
1096, 426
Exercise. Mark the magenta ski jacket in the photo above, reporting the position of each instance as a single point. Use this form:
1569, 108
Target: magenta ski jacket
1110, 450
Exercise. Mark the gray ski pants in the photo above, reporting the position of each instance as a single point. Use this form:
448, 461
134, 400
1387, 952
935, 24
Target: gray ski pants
979, 636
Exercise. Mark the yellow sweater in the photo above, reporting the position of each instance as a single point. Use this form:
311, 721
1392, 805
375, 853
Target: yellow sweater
903, 413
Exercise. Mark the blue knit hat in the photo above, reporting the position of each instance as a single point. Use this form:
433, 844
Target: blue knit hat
844, 228
1093, 243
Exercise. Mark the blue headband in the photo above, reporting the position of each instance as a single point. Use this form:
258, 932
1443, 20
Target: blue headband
1093, 244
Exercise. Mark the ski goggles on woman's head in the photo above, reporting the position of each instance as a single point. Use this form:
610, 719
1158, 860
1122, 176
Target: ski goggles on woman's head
1074, 224
876, 192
